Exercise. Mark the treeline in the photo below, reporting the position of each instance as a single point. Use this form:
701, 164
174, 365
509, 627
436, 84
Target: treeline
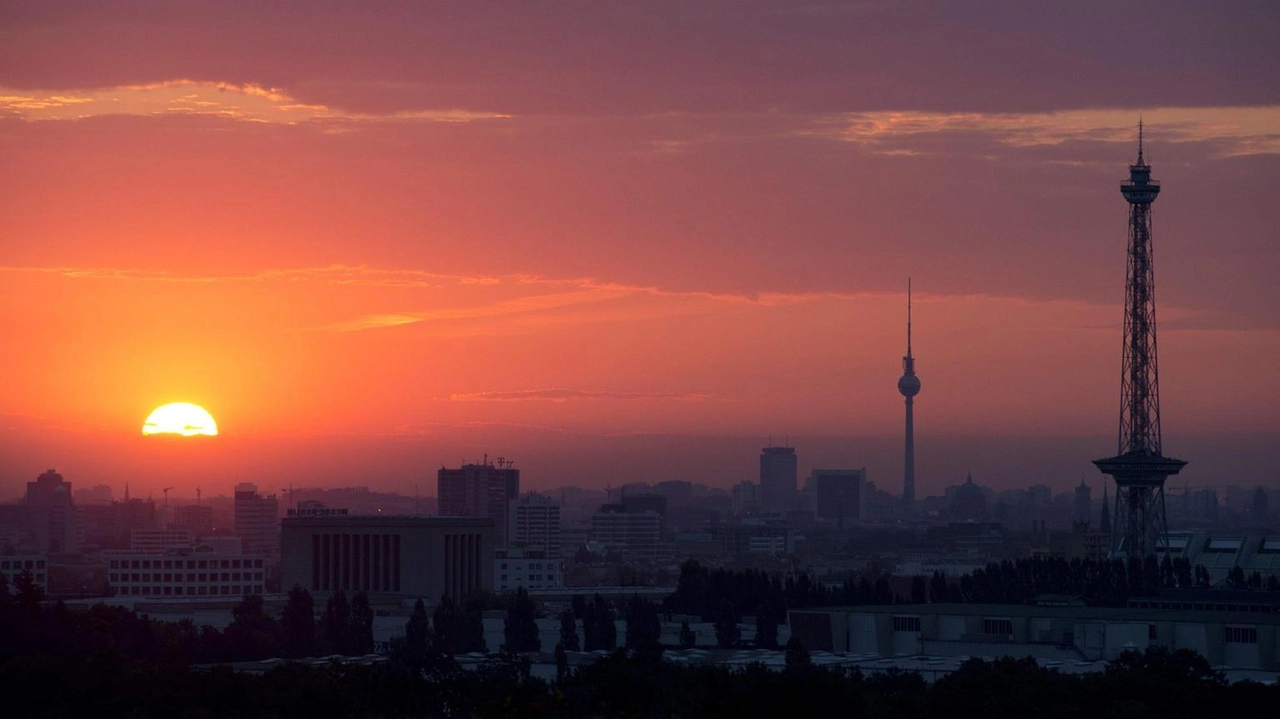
719, 593
630, 684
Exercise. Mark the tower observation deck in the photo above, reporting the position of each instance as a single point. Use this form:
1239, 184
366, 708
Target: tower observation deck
1139, 469
909, 386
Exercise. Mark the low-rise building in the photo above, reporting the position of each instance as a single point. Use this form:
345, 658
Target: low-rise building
184, 573
515, 567
11, 565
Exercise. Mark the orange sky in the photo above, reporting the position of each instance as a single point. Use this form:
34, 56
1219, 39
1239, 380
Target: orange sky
686, 220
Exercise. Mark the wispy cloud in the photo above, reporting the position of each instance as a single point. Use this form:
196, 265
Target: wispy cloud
1243, 130
568, 395
247, 102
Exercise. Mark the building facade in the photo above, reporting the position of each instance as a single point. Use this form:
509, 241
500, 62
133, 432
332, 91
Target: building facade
480, 490
636, 535
11, 565
533, 570
535, 523
777, 479
185, 573
257, 520
411, 557
837, 494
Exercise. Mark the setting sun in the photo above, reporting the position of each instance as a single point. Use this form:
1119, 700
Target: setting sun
182, 418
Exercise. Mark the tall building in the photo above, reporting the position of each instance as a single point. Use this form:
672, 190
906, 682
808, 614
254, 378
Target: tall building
909, 387
196, 517
777, 479
535, 523
480, 490
1083, 503
634, 533
409, 557
837, 494
257, 520
1139, 468
51, 513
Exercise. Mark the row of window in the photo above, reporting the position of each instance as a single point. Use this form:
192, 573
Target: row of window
201, 591
190, 564
192, 577
19, 565
1004, 627
534, 578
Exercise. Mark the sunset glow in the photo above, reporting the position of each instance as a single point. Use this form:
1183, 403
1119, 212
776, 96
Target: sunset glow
182, 418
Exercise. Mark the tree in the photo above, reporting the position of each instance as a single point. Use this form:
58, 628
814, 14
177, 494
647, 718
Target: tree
446, 627
688, 639
29, 594
644, 628
569, 632
336, 624
417, 632
361, 625
562, 662
252, 634
919, 595
797, 657
473, 627
598, 626
520, 630
298, 624
766, 627
728, 633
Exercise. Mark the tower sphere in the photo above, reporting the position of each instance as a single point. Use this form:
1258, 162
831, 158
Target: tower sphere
909, 385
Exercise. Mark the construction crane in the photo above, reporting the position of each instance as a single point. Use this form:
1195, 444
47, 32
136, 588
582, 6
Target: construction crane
166, 496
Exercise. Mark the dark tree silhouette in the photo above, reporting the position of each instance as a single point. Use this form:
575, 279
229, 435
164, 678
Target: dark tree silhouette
569, 632
728, 633
298, 624
520, 630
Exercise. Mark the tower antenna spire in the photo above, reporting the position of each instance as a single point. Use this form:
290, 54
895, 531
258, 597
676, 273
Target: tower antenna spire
1139, 468
909, 387
908, 316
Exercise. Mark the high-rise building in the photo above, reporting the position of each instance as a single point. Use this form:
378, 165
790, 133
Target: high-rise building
634, 533
257, 520
52, 513
196, 517
480, 490
535, 523
777, 479
1139, 468
837, 494
1083, 503
409, 557
909, 387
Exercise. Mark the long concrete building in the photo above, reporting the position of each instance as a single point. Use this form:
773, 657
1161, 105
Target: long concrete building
1228, 634
408, 557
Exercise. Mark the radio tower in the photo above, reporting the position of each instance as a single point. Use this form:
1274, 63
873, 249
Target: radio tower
909, 386
1139, 469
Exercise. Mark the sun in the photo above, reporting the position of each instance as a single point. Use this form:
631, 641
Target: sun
184, 418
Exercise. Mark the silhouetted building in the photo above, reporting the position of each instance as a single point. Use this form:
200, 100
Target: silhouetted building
968, 502
837, 493
257, 520
777, 478
635, 534
480, 490
198, 518
411, 557
535, 523
746, 498
1082, 506
52, 513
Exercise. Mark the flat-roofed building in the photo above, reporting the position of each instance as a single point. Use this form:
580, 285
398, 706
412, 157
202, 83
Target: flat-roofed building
412, 557
185, 573
12, 565
1235, 635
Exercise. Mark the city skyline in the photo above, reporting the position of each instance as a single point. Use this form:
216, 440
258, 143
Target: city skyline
386, 256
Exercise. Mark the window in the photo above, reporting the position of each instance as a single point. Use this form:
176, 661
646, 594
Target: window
1240, 635
1000, 627
906, 624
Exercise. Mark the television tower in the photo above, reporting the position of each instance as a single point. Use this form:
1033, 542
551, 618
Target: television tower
1139, 527
909, 386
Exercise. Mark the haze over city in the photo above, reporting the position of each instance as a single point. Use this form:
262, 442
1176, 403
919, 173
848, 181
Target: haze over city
631, 244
